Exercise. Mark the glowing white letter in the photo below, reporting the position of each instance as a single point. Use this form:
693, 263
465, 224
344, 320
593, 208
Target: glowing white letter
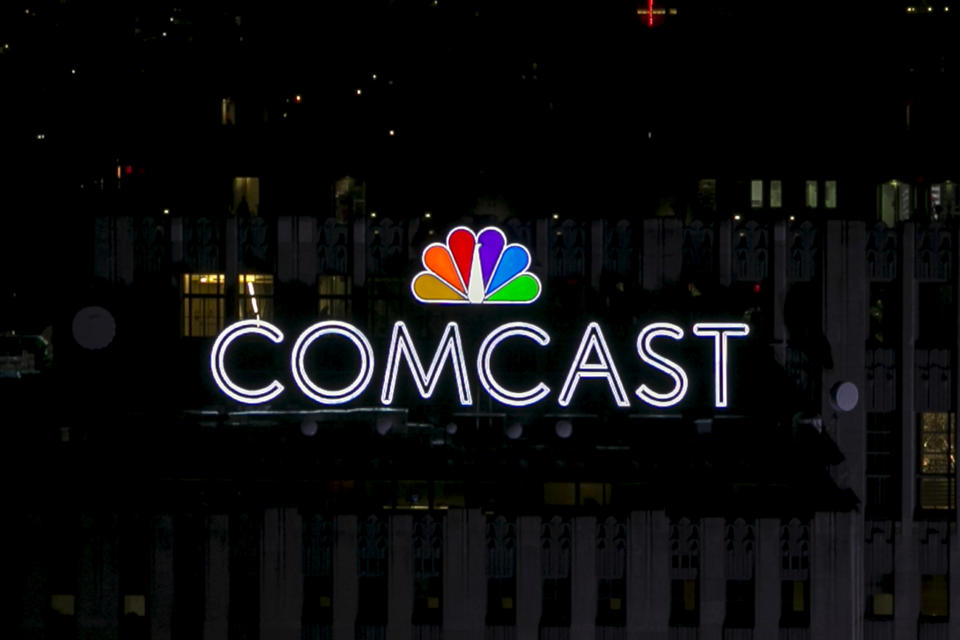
311, 389
231, 333
593, 342
655, 360
719, 332
498, 335
402, 345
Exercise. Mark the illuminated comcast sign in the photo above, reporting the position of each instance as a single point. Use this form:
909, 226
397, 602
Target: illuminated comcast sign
477, 268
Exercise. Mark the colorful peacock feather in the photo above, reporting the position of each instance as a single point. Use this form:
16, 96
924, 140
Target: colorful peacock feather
476, 269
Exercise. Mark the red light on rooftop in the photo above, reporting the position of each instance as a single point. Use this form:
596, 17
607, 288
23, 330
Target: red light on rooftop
756, 288
128, 169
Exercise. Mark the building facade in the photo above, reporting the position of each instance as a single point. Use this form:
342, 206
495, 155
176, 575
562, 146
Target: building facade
161, 508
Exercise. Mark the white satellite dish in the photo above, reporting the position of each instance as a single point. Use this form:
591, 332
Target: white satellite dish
844, 396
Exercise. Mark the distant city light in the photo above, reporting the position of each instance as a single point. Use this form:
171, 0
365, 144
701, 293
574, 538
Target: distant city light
374, 76
556, 216
427, 215
736, 216
164, 34
373, 214
298, 98
73, 71
41, 136
359, 92
792, 218
391, 132
166, 212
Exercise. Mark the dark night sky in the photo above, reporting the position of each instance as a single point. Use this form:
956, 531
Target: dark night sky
575, 104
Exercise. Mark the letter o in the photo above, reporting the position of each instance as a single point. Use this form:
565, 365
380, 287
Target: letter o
313, 390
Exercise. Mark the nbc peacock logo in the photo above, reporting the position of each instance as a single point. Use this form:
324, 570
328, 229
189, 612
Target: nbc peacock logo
476, 268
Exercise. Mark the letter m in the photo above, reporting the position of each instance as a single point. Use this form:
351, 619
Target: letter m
450, 347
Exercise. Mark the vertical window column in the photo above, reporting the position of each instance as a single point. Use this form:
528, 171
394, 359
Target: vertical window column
501, 539
612, 542
371, 576
428, 571
555, 564
317, 576
685, 573
794, 574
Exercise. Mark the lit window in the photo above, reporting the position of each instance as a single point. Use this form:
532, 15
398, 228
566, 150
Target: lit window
776, 194
889, 201
255, 297
560, 493
684, 603
756, 194
63, 604
134, 605
937, 460
246, 196
228, 111
830, 194
794, 603
204, 304
811, 192
881, 601
333, 294
933, 596
204, 301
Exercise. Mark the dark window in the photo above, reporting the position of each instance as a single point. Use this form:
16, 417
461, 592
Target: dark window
318, 573
884, 314
938, 318
372, 572
740, 604
244, 616
372, 602
883, 464
385, 304
685, 603
334, 295
612, 602
501, 570
556, 602
501, 601
428, 570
